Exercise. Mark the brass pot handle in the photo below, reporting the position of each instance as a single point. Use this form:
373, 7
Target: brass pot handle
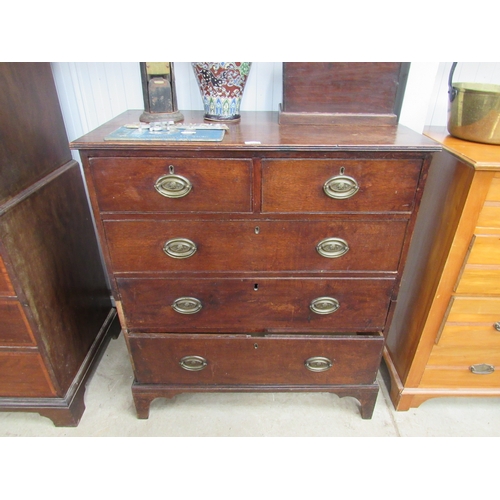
482, 369
180, 248
173, 186
341, 187
324, 305
193, 363
318, 364
187, 305
332, 248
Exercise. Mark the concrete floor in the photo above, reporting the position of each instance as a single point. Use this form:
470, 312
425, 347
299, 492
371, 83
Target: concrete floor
110, 412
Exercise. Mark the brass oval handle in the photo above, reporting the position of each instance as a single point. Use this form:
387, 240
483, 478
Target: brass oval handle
324, 305
318, 364
341, 187
180, 248
187, 305
496, 326
332, 248
173, 186
193, 363
482, 369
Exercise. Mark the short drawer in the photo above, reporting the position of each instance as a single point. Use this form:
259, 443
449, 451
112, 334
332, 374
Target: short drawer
14, 328
159, 246
241, 359
337, 185
481, 271
459, 377
22, 374
182, 184
255, 304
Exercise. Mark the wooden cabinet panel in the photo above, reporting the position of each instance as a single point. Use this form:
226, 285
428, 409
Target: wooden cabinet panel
255, 304
257, 245
128, 184
257, 360
297, 185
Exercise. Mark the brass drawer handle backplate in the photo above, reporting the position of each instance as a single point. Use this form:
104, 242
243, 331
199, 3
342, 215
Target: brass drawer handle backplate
482, 369
187, 305
193, 363
341, 187
318, 364
332, 248
173, 186
180, 248
324, 305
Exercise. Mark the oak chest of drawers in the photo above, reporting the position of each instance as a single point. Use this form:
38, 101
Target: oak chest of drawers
269, 261
445, 337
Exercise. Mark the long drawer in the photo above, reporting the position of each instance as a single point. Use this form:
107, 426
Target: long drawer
339, 185
182, 184
137, 246
254, 304
242, 359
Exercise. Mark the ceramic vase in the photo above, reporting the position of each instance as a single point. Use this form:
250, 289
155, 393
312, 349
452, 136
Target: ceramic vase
221, 86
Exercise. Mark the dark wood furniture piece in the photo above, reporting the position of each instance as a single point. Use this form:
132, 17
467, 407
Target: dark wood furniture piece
269, 261
445, 340
56, 313
348, 93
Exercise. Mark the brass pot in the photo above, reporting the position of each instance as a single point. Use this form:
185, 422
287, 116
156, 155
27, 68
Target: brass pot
474, 111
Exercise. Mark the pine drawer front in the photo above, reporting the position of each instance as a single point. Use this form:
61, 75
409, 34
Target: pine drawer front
24, 375
15, 329
459, 377
353, 185
242, 359
139, 246
489, 217
481, 273
182, 184
254, 304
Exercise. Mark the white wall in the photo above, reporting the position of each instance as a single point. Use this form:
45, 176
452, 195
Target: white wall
93, 93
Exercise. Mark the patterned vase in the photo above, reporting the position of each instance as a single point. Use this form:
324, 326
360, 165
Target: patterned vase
221, 87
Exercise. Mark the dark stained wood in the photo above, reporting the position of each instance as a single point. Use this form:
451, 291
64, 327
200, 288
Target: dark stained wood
386, 185
126, 184
263, 127
23, 374
256, 268
144, 394
56, 313
255, 304
276, 246
15, 327
360, 93
48, 236
242, 359
34, 141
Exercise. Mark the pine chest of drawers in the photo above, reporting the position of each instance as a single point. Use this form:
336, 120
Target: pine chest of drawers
269, 261
445, 336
